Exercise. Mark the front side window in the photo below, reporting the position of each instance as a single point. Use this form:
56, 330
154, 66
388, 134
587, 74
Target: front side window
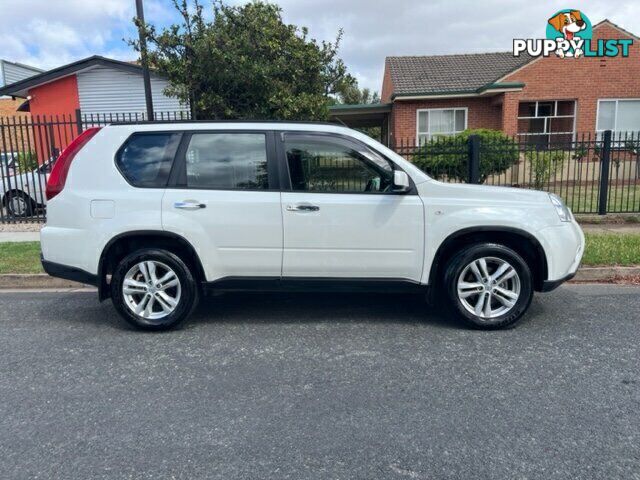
227, 161
436, 122
622, 116
322, 165
146, 159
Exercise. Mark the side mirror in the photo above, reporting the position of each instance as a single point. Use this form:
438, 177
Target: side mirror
401, 181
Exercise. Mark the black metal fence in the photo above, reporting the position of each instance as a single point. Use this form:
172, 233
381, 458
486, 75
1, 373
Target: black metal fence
593, 173
30, 145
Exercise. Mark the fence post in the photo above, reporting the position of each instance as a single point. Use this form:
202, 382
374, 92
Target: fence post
52, 140
474, 159
78, 121
604, 173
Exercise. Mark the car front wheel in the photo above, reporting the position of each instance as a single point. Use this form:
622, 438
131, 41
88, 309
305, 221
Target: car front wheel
153, 289
488, 286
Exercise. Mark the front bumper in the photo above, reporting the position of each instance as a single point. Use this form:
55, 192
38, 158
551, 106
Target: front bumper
563, 246
549, 285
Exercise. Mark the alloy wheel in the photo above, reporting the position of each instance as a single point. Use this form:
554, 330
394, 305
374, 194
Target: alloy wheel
18, 205
151, 290
488, 287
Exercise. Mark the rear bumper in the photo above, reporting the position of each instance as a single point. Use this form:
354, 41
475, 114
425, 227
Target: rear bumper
69, 273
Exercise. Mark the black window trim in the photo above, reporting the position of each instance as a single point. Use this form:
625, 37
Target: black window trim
144, 132
178, 177
277, 167
285, 178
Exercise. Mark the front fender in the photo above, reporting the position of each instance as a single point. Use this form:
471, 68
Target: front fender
451, 211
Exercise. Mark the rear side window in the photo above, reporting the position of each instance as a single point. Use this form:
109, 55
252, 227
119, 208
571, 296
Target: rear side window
145, 159
227, 161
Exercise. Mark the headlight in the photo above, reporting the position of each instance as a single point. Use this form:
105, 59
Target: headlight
563, 211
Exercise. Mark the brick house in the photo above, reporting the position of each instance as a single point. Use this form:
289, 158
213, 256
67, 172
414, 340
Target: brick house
540, 99
95, 87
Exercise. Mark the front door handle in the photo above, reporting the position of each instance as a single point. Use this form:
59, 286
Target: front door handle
302, 207
189, 205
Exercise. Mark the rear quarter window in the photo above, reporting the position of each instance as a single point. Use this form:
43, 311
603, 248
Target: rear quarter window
145, 159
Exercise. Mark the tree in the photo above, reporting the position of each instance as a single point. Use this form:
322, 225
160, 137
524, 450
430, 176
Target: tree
351, 94
245, 63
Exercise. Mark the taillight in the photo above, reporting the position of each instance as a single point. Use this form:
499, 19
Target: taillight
60, 169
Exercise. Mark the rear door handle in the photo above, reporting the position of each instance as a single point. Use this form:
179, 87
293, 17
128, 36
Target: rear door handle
302, 207
189, 205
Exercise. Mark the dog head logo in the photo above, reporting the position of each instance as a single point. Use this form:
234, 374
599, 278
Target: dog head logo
568, 24
570, 34
570, 28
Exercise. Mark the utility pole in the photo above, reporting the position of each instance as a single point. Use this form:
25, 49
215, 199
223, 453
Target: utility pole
145, 61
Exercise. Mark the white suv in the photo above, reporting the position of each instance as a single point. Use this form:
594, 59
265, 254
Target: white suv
157, 214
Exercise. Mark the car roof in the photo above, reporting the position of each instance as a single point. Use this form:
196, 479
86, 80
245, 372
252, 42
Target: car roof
230, 125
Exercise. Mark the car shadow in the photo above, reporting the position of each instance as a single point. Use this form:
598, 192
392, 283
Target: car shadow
279, 308
282, 308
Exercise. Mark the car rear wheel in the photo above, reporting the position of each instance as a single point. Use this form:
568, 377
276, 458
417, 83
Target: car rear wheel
153, 289
19, 204
488, 286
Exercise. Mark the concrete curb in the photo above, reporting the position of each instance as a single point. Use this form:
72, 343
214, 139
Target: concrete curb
35, 280
595, 274
43, 281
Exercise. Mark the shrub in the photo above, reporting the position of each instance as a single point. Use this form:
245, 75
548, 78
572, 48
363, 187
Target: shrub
544, 165
448, 157
632, 147
580, 153
26, 161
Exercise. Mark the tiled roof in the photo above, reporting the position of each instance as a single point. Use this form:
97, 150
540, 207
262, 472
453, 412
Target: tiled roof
442, 74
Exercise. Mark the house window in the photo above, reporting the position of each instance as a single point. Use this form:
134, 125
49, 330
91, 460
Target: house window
436, 122
547, 122
622, 116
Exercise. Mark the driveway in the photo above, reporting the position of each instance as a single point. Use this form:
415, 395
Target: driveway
321, 386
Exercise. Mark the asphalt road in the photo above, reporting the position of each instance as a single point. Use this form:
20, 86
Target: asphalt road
324, 386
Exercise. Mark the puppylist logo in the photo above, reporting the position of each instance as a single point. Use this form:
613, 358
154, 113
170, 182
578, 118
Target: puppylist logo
569, 35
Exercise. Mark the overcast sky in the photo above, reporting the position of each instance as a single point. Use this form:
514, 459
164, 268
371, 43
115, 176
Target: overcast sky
49, 33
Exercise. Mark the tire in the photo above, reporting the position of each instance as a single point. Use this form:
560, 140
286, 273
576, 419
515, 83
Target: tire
169, 308
507, 300
19, 204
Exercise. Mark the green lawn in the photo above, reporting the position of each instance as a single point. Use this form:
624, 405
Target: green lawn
601, 249
20, 257
584, 199
612, 249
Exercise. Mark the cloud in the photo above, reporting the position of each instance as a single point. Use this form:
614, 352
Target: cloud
48, 33
374, 30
